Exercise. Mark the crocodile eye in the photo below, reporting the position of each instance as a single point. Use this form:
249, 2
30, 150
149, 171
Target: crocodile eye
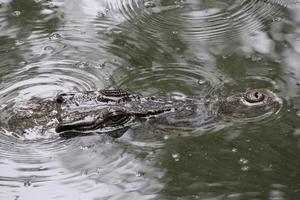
254, 97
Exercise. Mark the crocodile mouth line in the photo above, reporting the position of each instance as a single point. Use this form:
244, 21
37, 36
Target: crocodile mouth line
110, 120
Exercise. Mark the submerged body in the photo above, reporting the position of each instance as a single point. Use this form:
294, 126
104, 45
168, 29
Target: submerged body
107, 111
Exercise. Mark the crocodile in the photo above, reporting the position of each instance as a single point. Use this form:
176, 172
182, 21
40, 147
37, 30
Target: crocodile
115, 110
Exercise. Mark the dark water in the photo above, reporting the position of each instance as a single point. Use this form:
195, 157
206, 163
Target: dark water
158, 47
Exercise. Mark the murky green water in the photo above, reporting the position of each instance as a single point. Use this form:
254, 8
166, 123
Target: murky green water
158, 47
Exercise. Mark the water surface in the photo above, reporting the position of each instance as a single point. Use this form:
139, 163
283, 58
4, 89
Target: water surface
153, 47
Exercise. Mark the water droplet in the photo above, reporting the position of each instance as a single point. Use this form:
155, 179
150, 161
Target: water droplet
234, 150
84, 172
176, 156
27, 183
245, 168
149, 4
98, 171
225, 56
102, 65
256, 58
16, 13
106, 78
84, 147
52, 5
19, 42
103, 13
166, 137
82, 65
54, 36
49, 49
23, 63
178, 2
189, 108
139, 174
201, 82
243, 161
276, 19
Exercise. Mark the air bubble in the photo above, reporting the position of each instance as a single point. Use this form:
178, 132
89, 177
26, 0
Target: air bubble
49, 49
149, 4
16, 13
54, 36
82, 65
176, 156
201, 82
245, 168
243, 161
19, 42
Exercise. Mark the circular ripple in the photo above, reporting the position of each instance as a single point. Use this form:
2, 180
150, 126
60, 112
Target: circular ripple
194, 20
46, 78
181, 78
57, 47
85, 166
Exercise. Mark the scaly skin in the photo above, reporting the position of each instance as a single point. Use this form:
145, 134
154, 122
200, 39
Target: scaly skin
102, 111
113, 109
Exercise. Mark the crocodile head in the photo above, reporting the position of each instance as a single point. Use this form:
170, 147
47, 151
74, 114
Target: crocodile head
110, 115
251, 103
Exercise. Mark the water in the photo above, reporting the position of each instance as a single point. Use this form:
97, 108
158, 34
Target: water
158, 47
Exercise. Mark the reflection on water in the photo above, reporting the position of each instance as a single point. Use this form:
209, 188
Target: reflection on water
159, 47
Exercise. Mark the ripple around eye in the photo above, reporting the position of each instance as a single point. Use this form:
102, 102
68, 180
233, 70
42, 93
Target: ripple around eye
202, 23
249, 82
